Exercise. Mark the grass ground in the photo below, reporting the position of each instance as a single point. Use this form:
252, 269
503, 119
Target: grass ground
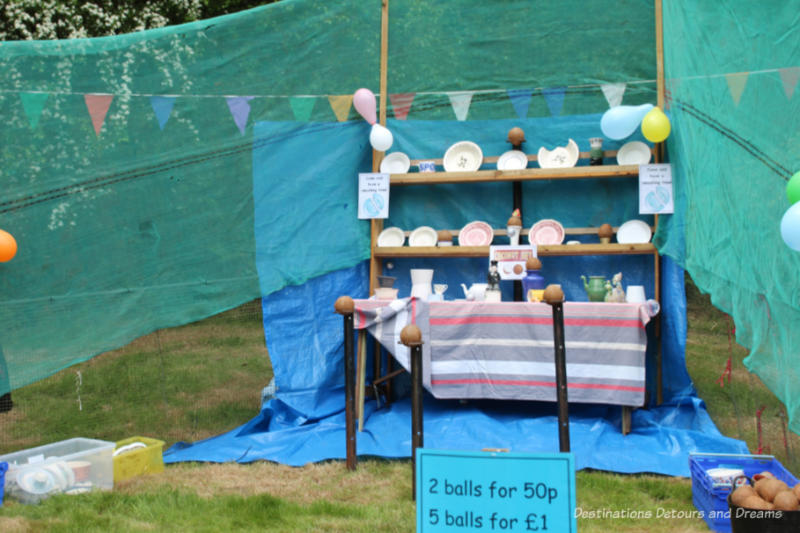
205, 378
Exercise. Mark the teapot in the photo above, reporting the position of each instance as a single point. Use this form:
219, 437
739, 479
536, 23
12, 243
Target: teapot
476, 291
595, 288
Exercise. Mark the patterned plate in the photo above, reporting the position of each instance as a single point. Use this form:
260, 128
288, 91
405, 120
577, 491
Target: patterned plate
476, 233
546, 231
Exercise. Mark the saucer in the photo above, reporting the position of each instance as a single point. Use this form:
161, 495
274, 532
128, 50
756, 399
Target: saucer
476, 233
512, 160
634, 232
546, 231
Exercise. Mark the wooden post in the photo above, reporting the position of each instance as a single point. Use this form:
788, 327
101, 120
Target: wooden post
659, 19
411, 336
345, 306
554, 296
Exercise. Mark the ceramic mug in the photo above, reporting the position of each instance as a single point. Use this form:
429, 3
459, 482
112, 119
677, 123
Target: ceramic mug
427, 166
635, 294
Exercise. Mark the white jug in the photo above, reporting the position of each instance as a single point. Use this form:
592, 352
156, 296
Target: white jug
421, 279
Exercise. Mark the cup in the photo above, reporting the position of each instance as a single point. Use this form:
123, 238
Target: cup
635, 294
427, 166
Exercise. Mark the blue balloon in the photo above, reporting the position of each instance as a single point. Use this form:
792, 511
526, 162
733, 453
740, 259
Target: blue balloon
622, 120
790, 227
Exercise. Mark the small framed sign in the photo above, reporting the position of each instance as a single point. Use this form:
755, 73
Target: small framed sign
511, 259
655, 189
495, 491
373, 195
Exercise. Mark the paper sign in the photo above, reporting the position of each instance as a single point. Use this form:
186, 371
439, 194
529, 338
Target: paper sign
511, 259
373, 195
655, 189
495, 491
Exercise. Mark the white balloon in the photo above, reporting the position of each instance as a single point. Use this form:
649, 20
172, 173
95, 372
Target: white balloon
380, 138
790, 227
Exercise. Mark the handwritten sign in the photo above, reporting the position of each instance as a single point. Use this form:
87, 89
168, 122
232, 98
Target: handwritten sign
655, 189
491, 491
511, 259
373, 195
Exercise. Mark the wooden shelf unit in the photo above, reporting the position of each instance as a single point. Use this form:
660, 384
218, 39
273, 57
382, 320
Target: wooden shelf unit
526, 174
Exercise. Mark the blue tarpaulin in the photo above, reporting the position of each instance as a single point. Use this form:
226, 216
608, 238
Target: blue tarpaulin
304, 422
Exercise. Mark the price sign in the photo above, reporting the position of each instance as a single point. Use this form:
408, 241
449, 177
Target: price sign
494, 491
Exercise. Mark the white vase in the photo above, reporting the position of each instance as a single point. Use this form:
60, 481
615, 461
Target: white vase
421, 279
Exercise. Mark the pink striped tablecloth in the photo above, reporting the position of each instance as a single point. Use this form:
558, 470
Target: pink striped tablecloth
505, 350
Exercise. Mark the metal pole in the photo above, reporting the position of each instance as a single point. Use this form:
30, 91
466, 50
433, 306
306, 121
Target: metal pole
555, 297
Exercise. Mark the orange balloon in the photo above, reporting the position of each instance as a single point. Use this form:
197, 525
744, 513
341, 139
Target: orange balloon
8, 246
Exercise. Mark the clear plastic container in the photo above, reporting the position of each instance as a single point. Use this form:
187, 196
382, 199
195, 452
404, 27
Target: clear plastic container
70, 466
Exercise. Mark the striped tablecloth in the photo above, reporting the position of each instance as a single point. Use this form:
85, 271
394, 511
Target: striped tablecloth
505, 350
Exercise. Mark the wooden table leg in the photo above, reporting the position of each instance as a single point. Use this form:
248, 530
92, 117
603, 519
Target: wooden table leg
626, 419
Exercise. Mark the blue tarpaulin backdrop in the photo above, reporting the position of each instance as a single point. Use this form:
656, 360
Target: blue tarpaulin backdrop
304, 422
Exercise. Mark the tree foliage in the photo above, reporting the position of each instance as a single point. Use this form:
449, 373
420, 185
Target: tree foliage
70, 19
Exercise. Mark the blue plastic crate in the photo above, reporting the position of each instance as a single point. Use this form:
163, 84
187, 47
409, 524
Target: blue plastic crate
712, 499
3, 469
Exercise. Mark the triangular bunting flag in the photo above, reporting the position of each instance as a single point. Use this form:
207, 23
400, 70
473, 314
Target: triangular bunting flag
98, 105
613, 93
302, 107
736, 83
33, 103
162, 107
789, 77
554, 97
460, 100
239, 107
521, 100
341, 105
401, 104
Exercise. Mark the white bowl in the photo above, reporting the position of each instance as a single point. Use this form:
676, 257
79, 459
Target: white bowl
395, 163
392, 236
634, 153
634, 232
560, 156
464, 156
423, 236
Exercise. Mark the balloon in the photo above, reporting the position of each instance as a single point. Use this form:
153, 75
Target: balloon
8, 246
364, 102
655, 126
622, 120
790, 227
793, 188
380, 138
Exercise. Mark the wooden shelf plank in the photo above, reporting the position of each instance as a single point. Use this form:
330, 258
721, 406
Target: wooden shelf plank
526, 174
542, 250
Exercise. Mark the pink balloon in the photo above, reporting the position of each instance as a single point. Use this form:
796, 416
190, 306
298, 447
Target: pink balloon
364, 102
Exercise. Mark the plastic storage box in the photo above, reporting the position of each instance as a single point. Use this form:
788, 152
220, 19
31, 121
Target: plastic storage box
131, 460
712, 499
70, 466
3, 468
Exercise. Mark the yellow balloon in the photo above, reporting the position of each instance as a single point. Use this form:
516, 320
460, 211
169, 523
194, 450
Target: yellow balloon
655, 125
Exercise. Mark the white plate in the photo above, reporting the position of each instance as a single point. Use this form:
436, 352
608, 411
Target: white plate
395, 163
546, 231
391, 237
423, 236
559, 157
464, 156
634, 232
634, 153
512, 160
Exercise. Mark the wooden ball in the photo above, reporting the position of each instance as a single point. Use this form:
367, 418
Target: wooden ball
444, 235
553, 294
516, 136
605, 231
344, 305
411, 335
533, 263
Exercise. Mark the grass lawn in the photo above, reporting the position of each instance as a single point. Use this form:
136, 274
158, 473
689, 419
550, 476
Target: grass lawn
199, 380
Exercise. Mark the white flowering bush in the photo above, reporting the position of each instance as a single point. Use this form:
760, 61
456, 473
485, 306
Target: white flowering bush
69, 19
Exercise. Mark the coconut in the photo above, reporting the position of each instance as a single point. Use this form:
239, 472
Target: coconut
605, 231
516, 136
796, 490
444, 235
754, 502
741, 494
785, 500
533, 263
769, 487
